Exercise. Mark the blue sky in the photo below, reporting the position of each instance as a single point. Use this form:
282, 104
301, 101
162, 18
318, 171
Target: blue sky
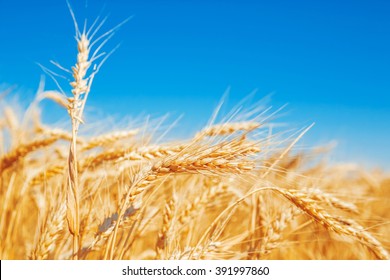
329, 60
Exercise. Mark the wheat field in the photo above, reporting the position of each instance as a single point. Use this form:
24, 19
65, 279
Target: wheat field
234, 190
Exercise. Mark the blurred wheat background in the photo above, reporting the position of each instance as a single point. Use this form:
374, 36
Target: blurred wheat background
240, 187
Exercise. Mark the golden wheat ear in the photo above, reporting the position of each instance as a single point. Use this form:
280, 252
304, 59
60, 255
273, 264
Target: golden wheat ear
89, 60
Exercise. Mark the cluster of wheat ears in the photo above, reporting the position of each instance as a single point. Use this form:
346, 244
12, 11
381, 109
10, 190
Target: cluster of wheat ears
234, 190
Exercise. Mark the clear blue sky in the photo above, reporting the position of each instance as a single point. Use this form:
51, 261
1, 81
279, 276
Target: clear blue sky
330, 60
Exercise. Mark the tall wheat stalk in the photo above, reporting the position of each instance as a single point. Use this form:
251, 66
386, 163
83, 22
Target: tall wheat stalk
81, 87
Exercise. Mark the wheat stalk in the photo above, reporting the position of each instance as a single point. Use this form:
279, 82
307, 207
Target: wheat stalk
81, 86
80, 89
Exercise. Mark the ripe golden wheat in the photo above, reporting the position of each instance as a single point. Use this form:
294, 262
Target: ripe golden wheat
232, 191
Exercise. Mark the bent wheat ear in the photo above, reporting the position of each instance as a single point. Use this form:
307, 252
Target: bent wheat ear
46, 174
320, 196
143, 153
23, 150
336, 224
